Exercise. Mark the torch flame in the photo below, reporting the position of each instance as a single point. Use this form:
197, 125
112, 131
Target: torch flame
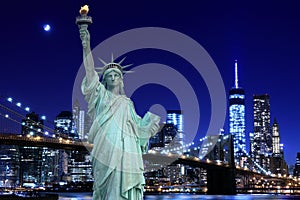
84, 9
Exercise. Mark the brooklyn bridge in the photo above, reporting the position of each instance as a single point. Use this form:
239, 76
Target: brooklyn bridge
222, 174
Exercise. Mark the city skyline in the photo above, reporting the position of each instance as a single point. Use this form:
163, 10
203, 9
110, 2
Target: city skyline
39, 68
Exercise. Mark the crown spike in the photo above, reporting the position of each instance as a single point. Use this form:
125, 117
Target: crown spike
112, 57
103, 62
122, 60
128, 72
125, 66
112, 64
99, 68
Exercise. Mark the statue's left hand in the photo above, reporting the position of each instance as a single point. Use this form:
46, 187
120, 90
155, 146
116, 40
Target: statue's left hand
85, 37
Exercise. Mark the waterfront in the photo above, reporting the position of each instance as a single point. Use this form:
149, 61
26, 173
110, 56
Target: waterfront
88, 196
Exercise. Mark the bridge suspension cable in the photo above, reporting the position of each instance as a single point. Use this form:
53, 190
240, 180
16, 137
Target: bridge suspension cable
17, 117
255, 163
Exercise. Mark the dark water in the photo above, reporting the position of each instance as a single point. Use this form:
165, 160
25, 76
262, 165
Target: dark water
88, 196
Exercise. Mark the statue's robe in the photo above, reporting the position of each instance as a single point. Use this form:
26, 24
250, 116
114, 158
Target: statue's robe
120, 137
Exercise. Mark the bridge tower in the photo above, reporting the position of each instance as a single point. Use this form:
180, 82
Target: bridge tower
221, 181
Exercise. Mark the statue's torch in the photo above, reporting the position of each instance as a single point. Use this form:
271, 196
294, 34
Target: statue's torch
83, 21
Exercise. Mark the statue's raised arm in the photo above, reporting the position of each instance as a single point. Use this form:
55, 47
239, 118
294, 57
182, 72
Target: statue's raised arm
83, 22
87, 53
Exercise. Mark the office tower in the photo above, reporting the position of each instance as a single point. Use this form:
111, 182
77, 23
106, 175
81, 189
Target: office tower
163, 138
174, 172
157, 142
9, 166
278, 164
297, 166
237, 119
30, 166
79, 117
276, 139
39, 165
78, 166
31, 157
64, 125
51, 171
261, 149
175, 117
32, 125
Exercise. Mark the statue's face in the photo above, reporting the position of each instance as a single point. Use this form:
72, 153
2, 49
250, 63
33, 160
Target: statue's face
113, 78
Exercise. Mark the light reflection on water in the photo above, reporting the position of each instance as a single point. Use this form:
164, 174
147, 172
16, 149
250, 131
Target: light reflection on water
220, 197
88, 196
75, 196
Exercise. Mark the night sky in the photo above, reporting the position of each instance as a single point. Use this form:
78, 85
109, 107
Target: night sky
39, 68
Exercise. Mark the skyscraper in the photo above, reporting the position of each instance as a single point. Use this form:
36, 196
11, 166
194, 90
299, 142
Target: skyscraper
81, 120
276, 139
278, 164
37, 165
175, 117
297, 166
163, 138
31, 157
237, 118
64, 125
261, 148
9, 165
76, 116
78, 166
32, 125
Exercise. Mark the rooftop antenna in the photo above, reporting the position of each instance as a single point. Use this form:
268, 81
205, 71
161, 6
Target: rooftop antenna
236, 82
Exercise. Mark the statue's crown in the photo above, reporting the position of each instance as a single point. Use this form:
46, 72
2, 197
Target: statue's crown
111, 65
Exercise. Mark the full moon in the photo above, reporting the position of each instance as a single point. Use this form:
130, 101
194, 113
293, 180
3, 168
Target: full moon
47, 27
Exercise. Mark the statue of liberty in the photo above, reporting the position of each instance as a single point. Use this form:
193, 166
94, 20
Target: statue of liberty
119, 135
